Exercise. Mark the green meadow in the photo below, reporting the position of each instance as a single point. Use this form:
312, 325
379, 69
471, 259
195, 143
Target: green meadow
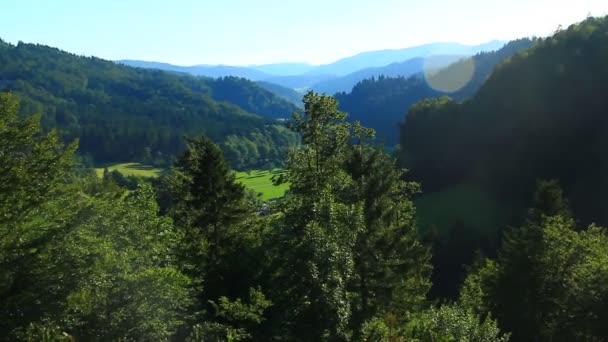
132, 169
260, 181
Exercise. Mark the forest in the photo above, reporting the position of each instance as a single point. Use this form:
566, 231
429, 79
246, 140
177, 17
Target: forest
120, 113
485, 224
390, 97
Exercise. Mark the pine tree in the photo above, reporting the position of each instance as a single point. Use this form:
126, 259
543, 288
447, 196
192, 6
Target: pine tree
391, 267
209, 206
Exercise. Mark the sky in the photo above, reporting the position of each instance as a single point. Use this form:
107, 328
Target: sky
245, 32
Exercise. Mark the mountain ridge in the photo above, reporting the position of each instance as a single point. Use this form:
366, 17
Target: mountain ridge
300, 76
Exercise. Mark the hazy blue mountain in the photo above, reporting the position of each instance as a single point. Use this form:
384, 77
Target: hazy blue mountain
202, 70
381, 103
385, 57
284, 69
300, 82
282, 92
404, 69
302, 76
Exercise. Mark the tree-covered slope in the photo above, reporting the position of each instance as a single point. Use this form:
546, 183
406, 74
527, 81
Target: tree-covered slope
286, 93
381, 103
251, 97
121, 113
542, 114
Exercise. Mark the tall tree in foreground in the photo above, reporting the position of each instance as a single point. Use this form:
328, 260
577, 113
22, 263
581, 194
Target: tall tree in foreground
391, 268
34, 207
211, 210
346, 238
314, 235
92, 264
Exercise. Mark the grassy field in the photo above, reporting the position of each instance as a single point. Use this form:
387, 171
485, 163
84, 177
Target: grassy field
260, 181
257, 180
132, 169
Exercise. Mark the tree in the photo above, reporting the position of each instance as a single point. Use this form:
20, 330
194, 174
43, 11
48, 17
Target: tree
123, 276
453, 322
219, 236
391, 267
35, 204
206, 199
313, 240
347, 249
548, 281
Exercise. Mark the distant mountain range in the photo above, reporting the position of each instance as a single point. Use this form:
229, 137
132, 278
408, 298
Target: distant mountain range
401, 69
341, 75
385, 57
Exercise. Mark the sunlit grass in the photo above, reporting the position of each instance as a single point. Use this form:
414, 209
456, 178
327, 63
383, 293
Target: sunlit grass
132, 169
260, 181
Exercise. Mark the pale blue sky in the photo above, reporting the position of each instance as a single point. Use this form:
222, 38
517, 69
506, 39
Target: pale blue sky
245, 32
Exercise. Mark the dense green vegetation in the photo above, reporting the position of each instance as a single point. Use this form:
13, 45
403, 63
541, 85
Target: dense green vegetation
338, 258
380, 103
493, 250
251, 97
540, 115
127, 114
283, 92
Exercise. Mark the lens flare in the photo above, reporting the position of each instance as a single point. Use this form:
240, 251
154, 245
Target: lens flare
448, 79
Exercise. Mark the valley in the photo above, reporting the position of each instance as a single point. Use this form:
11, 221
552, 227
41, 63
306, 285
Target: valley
389, 184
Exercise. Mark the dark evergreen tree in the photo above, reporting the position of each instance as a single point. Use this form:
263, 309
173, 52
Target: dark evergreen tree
211, 210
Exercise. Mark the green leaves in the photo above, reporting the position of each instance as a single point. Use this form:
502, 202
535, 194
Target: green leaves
453, 323
549, 280
346, 238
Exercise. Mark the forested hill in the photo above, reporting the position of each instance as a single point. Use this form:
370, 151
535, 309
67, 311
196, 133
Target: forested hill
381, 103
122, 113
252, 97
542, 114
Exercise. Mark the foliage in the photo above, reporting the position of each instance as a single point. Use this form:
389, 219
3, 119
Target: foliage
381, 102
211, 210
453, 322
91, 265
549, 281
539, 115
252, 97
345, 242
34, 208
121, 113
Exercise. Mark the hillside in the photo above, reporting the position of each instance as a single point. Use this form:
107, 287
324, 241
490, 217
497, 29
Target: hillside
282, 92
542, 114
382, 102
252, 97
121, 113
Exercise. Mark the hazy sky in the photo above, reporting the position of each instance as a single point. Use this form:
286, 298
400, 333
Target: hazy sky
263, 31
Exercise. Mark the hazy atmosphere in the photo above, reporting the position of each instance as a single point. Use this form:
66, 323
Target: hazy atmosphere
243, 32
366, 171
